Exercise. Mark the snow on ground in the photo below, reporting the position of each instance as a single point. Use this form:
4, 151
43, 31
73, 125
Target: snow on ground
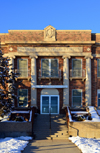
87, 145
13, 145
92, 111
95, 117
98, 110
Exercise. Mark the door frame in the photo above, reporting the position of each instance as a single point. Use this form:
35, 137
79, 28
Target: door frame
49, 103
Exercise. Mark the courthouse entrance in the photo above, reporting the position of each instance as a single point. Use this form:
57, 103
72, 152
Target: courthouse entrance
49, 104
49, 101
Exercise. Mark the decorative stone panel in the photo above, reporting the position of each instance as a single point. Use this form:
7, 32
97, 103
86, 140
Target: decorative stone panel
49, 33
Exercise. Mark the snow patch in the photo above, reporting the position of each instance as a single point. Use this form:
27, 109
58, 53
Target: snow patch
79, 112
13, 145
87, 145
30, 116
95, 117
20, 112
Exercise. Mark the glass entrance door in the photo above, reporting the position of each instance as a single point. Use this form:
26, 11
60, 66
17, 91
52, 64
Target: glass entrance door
45, 104
49, 104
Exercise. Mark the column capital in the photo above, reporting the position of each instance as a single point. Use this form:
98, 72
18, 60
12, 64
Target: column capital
87, 57
66, 57
33, 57
12, 57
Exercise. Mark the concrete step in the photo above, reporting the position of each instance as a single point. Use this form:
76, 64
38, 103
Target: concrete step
56, 138
41, 127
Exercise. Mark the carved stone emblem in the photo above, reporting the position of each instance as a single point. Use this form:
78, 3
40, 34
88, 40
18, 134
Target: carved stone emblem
49, 33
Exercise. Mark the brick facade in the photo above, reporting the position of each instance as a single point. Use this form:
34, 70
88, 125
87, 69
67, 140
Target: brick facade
90, 44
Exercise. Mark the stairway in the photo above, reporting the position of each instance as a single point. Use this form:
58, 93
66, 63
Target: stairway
41, 127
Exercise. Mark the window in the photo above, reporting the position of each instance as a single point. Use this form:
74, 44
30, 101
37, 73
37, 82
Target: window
98, 97
76, 97
49, 68
23, 67
23, 97
77, 68
98, 67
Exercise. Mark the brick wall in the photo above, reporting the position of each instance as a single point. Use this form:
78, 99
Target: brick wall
71, 35
38, 35
25, 84
77, 83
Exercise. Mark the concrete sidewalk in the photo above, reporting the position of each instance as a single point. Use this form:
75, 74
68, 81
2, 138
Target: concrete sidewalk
51, 146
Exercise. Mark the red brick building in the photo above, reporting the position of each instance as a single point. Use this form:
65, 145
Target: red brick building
58, 68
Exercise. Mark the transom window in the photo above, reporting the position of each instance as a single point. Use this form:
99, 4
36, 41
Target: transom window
76, 97
23, 97
23, 67
49, 67
98, 67
76, 67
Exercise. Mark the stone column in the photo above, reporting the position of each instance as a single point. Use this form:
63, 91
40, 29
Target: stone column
88, 82
33, 82
66, 81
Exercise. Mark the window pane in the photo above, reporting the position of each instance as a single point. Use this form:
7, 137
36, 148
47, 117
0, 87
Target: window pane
98, 62
23, 97
45, 67
98, 67
77, 70
22, 92
54, 104
45, 101
98, 73
98, 99
77, 64
77, 92
22, 66
54, 67
23, 63
76, 101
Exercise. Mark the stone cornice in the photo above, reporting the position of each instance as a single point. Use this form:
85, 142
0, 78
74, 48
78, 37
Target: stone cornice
51, 42
24, 30
74, 30
35, 55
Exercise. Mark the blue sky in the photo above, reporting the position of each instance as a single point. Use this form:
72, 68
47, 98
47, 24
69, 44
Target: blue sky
37, 14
